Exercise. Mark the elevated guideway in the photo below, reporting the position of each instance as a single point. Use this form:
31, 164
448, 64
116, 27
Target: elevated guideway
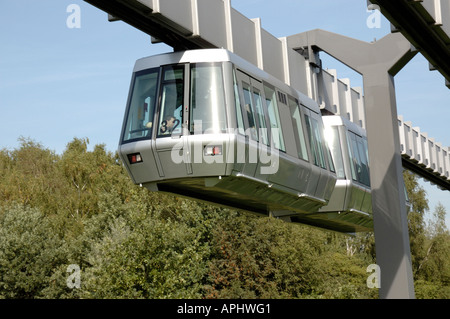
194, 24
426, 24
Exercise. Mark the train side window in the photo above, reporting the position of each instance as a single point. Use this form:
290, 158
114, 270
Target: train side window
356, 155
207, 98
360, 159
334, 145
260, 115
274, 118
352, 158
315, 140
250, 111
298, 127
312, 141
330, 160
366, 150
237, 101
139, 122
320, 145
327, 150
362, 149
172, 100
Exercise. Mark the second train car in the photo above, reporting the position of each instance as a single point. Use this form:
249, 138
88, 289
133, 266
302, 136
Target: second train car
206, 124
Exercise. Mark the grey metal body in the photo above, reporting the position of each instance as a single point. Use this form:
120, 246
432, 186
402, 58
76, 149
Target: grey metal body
295, 191
350, 196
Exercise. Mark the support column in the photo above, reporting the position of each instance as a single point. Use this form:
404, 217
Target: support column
393, 253
378, 62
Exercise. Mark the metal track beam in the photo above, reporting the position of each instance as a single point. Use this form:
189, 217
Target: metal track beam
423, 29
139, 14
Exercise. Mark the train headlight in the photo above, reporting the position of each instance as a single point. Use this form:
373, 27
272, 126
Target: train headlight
213, 150
135, 158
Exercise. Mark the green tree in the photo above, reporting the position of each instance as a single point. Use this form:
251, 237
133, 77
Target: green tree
143, 254
30, 252
416, 221
29, 176
267, 258
434, 270
82, 208
430, 247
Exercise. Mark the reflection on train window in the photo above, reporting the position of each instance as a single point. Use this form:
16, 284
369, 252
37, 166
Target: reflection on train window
333, 139
315, 141
172, 92
351, 157
330, 158
357, 147
250, 111
207, 99
362, 149
298, 127
261, 117
239, 118
274, 118
139, 121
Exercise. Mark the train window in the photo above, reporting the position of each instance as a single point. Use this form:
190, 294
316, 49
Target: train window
298, 126
261, 117
360, 164
140, 115
274, 118
315, 140
362, 149
320, 145
250, 111
333, 139
330, 159
239, 118
207, 98
351, 156
356, 155
172, 95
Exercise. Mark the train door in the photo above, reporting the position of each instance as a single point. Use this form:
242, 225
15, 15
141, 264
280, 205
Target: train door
250, 116
138, 127
314, 177
319, 156
265, 156
171, 117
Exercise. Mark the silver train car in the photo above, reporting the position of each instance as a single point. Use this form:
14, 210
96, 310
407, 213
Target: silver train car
208, 125
351, 200
352, 195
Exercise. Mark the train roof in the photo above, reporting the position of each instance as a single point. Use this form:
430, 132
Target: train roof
222, 55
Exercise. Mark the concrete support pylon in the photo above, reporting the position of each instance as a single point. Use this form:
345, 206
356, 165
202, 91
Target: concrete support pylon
378, 62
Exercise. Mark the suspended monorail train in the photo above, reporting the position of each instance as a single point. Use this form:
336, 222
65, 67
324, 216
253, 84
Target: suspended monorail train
206, 124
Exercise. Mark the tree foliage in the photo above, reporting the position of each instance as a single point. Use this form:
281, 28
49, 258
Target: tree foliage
29, 252
81, 208
430, 246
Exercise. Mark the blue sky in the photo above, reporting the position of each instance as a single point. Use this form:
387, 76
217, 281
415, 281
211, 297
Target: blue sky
57, 83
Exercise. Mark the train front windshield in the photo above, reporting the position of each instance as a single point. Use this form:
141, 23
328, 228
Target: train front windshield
142, 103
163, 97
